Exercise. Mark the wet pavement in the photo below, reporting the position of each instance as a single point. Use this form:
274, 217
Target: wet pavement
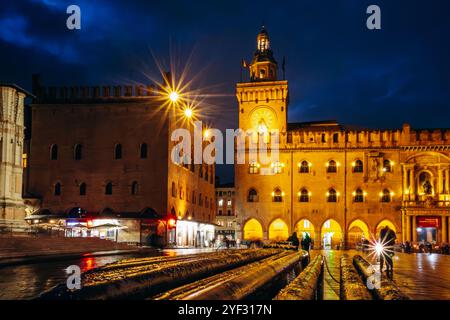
28, 281
421, 276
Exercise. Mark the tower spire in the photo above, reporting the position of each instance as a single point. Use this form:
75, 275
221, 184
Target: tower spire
264, 66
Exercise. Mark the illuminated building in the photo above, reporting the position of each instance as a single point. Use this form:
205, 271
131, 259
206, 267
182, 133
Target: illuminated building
104, 154
338, 183
225, 212
12, 128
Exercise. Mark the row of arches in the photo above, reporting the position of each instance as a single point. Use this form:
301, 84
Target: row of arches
330, 232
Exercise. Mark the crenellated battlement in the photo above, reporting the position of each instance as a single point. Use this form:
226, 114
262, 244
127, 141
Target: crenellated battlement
333, 135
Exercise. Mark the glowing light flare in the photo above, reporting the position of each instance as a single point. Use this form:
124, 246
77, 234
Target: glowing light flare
174, 96
188, 112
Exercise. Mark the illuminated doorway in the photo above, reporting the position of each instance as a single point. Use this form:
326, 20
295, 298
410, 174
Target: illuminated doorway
253, 230
305, 227
358, 231
278, 230
331, 234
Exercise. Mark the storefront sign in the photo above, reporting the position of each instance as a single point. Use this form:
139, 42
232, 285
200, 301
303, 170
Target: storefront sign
428, 222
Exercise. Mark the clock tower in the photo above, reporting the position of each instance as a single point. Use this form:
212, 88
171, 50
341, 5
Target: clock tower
263, 100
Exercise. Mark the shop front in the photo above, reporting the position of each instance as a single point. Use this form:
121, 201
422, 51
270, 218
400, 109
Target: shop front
428, 228
193, 234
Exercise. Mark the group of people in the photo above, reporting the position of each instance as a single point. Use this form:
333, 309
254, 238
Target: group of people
425, 247
306, 242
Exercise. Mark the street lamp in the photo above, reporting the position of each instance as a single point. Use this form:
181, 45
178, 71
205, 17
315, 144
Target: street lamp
174, 96
188, 112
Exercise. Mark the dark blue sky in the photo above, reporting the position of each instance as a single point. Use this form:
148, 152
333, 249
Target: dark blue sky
336, 67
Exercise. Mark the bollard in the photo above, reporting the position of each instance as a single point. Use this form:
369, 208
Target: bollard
307, 286
351, 286
382, 288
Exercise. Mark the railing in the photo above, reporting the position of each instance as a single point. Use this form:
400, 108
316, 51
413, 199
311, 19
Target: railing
426, 203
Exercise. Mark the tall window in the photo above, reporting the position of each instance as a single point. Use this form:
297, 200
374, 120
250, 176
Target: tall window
277, 195
118, 151
358, 166
386, 196
331, 195
336, 138
358, 195
252, 195
78, 152
144, 151
109, 188
83, 189
387, 165
134, 188
54, 152
253, 168
303, 195
57, 190
324, 139
304, 167
331, 166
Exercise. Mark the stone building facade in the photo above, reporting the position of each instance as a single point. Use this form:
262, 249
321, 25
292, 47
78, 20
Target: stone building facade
338, 183
103, 153
226, 212
12, 128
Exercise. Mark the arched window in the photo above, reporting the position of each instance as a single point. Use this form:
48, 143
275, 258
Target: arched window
358, 166
358, 195
386, 196
134, 188
144, 151
387, 165
331, 195
253, 168
174, 190
54, 152
57, 189
324, 139
78, 152
252, 195
118, 151
109, 188
304, 167
277, 167
303, 195
83, 189
277, 195
331, 166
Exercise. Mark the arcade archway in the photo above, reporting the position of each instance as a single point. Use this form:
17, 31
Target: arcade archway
253, 230
278, 230
331, 234
357, 232
304, 227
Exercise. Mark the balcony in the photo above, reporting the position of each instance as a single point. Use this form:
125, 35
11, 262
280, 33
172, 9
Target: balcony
423, 201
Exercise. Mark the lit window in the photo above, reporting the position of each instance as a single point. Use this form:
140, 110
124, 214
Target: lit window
327, 224
332, 195
24, 160
304, 167
253, 168
303, 195
358, 166
252, 195
358, 195
386, 195
220, 202
277, 167
331, 166
229, 203
277, 195
306, 224
387, 165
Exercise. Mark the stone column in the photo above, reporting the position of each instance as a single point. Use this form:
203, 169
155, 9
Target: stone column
403, 227
414, 228
412, 184
440, 180
447, 181
317, 239
444, 229
408, 228
405, 183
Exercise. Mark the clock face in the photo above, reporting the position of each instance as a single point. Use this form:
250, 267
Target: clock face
262, 120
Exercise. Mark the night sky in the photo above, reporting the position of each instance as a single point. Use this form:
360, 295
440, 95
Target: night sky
336, 67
